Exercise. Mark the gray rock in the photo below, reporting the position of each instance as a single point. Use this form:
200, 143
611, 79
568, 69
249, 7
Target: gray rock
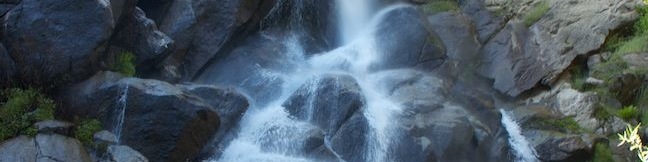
567, 148
327, 101
351, 139
54, 126
60, 148
579, 105
57, 41
120, 153
518, 58
184, 122
105, 138
7, 67
455, 32
627, 87
140, 35
594, 60
21, 148
594, 81
636, 60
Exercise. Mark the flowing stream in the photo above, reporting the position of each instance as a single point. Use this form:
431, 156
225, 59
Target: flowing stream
122, 102
522, 150
269, 134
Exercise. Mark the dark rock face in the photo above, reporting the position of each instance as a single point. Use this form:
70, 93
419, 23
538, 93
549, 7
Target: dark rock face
162, 121
7, 67
565, 149
407, 40
351, 139
54, 126
140, 35
327, 101
626, 87
57, 41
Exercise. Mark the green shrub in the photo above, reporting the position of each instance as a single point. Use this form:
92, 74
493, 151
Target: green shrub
86, 129
641, 25
578, 78
567, 124
535, 14
603, 112
602, 153
440, 6
21, 110
124, 64
628, 113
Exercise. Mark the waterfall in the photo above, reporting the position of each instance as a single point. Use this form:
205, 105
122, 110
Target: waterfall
122, 104
523, 151
268, 133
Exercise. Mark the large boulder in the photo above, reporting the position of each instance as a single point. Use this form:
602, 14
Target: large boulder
21, 148
57, 41
162, 121
552, 146
327, 101
7, 67
579, 105
518, 58
120, 153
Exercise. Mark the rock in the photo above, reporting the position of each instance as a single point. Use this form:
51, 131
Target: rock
60, 148
518, 58
120, 153
57, 41
184, 122
54, 126
455, 32
636, 60
327, 101
7, 68
121, 9
627, 87
351, 139
579, 105
140, 35
593, 81
407, 41
486, 22
105, 138
21, 148
568, 148
593, 60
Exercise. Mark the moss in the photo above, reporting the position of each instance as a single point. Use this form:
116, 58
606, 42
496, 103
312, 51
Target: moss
566, 125
602, 153
22, 108
86, 129
438, 6
628, 113
124, 64
535, 14
603, 112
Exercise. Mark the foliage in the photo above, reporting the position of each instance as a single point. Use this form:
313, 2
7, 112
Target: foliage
124, 64
86, 129
603, 112
631, 137
535, 14
641, 26
21, 110
567, 124
440, 6
628, 113
578, 78
602, 153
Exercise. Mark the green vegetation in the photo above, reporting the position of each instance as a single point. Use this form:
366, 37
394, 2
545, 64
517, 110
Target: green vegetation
86, 129
628, 113
21, 110
578, 78
603, 112
602, 153
124, 64
438, 6
567, 124
535, 14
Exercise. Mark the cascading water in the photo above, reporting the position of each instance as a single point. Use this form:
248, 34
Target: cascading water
523, 151
268, 133
122, 103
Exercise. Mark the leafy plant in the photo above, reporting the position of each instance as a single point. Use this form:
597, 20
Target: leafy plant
628, 113
124, 64
535, 14
86, 129
440, 6
631, 137
602, 153
22, 109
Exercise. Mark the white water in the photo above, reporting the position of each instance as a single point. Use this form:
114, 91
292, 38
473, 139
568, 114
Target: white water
268, 134
122, 103
522, 150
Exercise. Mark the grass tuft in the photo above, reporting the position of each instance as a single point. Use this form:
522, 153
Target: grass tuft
628, 113
124, 64
535, 14
602, 153
440, 6
21, 110
85, 131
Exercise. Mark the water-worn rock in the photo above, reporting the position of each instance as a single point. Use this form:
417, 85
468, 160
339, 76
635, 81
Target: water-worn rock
54, 126
7, 67
579, 105
57, 41
518, 58
326, 101
351, 139
162, 121
563, 148
455, 32
120, 153
104, 138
